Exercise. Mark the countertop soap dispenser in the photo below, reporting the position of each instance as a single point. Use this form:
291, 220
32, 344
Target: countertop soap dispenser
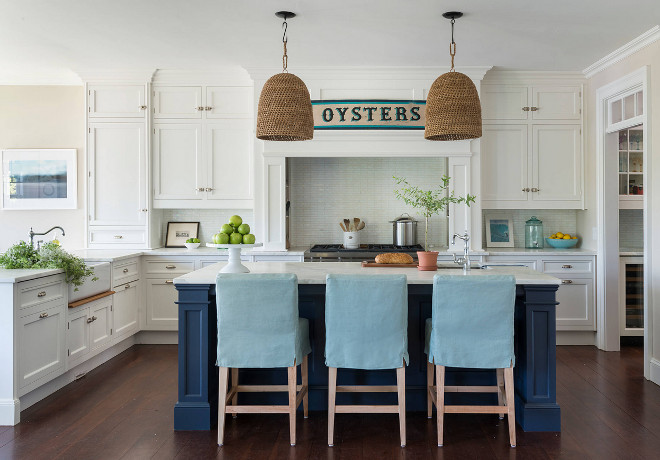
534, 233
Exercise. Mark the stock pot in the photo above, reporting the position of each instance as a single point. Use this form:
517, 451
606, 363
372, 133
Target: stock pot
404, 230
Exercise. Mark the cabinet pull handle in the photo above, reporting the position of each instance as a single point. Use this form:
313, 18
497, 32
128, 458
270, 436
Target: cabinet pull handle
41, 294
566, 281
128, 286
90, 320
208, 189
209, 108
566, 266
169, 281
199, 109
526, 189
170, 267
525, 109
533, 109
118, 237
145, 210
536, 189
143, 107
125, 270
43, 315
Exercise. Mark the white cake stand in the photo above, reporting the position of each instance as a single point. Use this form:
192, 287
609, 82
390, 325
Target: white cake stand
234, 265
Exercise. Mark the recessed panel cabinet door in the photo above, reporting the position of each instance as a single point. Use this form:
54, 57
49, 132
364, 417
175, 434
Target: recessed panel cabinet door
229, 156
117, 179
556, 103
77, 334
229, 102
178, 169
113, 101
576, 309
504, 173
504, 102
100, 329
178, 102
125, 310
162, 311
557, 163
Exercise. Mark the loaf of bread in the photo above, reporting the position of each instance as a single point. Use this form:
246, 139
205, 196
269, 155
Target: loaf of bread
394, 258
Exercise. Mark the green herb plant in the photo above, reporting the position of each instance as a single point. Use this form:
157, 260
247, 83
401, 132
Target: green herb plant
50, 255
429, 202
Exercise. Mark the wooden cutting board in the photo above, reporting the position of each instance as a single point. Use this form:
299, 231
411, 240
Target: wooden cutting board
367, 263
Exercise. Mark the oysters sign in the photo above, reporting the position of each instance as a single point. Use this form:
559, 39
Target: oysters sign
369, 114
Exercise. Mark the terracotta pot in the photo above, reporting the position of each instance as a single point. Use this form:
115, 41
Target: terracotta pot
428, 260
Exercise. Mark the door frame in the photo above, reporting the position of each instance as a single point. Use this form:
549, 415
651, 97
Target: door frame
607, 310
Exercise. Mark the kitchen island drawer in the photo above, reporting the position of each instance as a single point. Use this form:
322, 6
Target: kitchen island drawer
40, 290
568, 267
117, 235
125, 271
167, 267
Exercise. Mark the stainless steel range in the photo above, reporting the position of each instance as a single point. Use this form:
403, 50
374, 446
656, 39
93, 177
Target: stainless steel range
337, 252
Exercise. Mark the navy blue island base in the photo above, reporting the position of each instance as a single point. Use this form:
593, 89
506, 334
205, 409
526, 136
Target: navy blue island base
534, 374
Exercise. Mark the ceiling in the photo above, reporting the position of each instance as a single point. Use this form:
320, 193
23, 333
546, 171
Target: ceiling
57, 38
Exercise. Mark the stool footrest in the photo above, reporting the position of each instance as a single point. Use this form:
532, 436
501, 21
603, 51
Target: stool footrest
263, 388
367, 388
476, 409
351, 409
257, 409
471, 389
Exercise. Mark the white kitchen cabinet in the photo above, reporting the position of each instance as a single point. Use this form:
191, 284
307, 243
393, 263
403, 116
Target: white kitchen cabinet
523, 102
178, 102
504, 164
229, 102
89, 330
504, 102
162, 311
556, 165
202, 102
556, 103
117, 161
100, 329
576, 305
179, 172
77, 335
116, 101
126, 301
229, 162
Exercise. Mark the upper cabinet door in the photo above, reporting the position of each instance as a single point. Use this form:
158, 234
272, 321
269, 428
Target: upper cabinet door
229, 102
229, 156
557, 163
178, 171
556, 103
116, 101
504, 172
178, 102
504, 102
117, 174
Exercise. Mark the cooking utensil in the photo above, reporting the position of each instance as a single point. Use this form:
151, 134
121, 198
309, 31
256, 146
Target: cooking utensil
341, 224
347, 224
361, 226
356, 222
404, 230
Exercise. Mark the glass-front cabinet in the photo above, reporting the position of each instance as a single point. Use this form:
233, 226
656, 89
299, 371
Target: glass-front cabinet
631, 167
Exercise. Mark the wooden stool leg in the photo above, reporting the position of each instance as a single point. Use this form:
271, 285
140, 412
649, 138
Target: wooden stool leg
332, 393
305, 383
234, 383
401, 390
510, 403
429, 384
222, 397
500, 389
293, 377
440, 400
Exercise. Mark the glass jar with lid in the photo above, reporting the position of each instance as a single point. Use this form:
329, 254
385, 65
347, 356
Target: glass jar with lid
534, 233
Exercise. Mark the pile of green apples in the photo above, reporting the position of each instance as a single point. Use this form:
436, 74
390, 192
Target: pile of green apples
235, 232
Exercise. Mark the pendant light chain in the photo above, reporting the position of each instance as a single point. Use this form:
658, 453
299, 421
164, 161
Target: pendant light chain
452, 45
285, 58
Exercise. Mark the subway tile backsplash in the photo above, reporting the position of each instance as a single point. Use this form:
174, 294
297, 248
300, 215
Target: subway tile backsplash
210, 220
323, 191
631, 228
554, 220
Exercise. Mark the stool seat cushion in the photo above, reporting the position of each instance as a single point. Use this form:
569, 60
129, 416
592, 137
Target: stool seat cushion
258, 323
366, 321
472, 322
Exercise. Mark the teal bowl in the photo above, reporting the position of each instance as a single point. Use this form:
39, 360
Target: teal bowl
561, 244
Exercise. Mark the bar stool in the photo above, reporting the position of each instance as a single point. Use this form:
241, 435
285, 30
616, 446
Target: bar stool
366, 327
472, 327
259, 327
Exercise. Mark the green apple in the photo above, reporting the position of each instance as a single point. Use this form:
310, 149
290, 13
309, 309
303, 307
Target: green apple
235, 221
196, 240
235, 238
227, 228
244, 229
220, 238
249, 239
190, 240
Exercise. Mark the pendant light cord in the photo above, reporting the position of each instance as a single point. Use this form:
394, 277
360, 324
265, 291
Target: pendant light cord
452, 45
285, 58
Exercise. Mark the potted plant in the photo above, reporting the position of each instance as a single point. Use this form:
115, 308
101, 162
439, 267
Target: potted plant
428, 203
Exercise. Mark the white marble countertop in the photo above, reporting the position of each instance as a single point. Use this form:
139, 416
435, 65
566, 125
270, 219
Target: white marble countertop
315, 272
110, 255
545, 251
24, 274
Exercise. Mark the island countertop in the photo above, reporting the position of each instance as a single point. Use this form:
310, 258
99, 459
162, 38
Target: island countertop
315, 272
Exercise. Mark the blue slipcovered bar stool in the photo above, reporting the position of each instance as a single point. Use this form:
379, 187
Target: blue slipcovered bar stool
472, 327
259, 327
366, 327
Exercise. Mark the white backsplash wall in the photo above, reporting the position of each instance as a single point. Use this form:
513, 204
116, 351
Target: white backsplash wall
631, 228
554, 220
323, 191
210, 220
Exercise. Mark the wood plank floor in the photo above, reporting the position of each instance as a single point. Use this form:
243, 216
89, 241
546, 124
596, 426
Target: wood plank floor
123, 410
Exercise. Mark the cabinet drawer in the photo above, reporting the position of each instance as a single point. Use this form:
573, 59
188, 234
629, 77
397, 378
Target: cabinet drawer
124, 272
167, 267
117, 236
39, 291
568, 267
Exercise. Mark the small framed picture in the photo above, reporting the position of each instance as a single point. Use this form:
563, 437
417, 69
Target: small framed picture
499, 232
179, 232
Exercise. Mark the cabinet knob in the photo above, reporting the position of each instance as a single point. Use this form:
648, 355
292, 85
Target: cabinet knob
200, 189
208, 189
170, 267
566, 266
525, 109
41, 294
143, 107
169, 281
200, 108
90, 320
566, 281
144, 210
118, 237
43, 315
125, 270
208, 108
533, 109
525, 189
536, 189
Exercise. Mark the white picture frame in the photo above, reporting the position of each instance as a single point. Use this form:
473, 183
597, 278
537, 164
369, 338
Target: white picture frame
36, 179
499, 232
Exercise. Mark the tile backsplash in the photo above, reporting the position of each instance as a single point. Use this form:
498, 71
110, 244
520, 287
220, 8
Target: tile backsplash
554, 220
210, 220
631, 228
323, 191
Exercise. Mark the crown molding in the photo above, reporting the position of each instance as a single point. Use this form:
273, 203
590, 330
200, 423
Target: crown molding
650, 36
509, 76
230, 75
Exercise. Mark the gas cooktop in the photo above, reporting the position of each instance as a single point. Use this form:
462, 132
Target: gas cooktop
378, 248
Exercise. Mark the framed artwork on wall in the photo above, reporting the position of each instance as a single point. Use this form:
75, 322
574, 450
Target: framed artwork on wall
179, 232
39, 179
499, 232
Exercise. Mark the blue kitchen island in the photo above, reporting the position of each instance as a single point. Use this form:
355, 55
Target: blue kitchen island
534, 375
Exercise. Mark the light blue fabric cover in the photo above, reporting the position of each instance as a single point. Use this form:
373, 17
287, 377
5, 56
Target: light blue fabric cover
258, 323
366, 321
472, 323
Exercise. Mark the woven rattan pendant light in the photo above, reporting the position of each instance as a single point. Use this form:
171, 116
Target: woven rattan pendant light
285, 108
453, 110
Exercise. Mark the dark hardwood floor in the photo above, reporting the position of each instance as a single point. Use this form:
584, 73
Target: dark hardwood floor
123, 410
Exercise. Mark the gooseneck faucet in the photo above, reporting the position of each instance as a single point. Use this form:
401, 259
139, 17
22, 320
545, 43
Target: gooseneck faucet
33, 234
465, 260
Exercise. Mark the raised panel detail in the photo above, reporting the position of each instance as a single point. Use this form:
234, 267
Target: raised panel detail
504, 163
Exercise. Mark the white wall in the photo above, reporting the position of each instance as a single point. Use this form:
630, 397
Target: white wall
43, 117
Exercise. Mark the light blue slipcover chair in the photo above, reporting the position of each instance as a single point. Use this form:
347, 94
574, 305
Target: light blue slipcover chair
472, 327
366, 327
258, 326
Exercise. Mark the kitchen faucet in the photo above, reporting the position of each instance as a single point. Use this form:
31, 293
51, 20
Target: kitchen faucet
32, 234
465, 260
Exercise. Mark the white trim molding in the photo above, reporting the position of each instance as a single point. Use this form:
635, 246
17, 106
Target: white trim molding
650, 36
